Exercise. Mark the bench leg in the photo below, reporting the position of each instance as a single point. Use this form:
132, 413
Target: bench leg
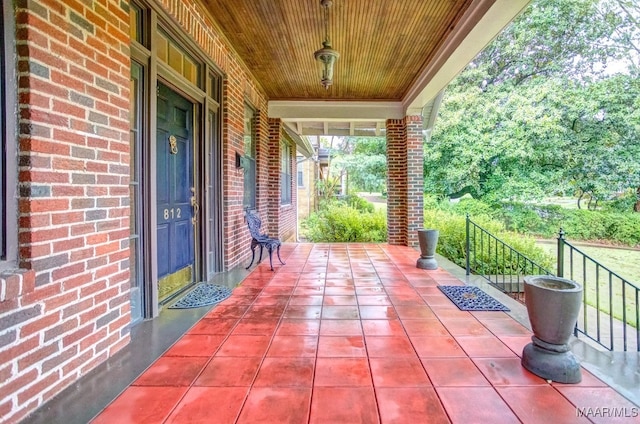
279, 258
261, 246
270, 249
253, 256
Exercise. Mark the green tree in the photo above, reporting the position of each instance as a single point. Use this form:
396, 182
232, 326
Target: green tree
539, 112
366, 166
602, 138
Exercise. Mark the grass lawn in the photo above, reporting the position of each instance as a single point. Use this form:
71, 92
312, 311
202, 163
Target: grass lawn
565, 202
624, 262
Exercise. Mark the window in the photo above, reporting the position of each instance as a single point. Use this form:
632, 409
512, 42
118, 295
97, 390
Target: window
249, 159
285, 173
3, 190
213, 87
177, 58
8, 141
300, 178
135, 22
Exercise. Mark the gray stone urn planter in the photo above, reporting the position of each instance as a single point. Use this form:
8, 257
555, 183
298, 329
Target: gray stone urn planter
553, 304
428, 239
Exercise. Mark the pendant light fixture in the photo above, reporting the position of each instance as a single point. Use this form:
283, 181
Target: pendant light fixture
326, 55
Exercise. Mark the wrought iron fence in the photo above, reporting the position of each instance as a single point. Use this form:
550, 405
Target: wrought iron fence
610, 313
610, 310
500, 264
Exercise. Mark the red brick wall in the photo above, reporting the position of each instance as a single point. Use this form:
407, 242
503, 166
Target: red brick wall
236, 236
70, 311
282, 218
415, 178
238, 89
272, 218
405, 180
263, 164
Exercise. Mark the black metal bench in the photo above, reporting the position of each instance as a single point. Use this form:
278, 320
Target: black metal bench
263, 240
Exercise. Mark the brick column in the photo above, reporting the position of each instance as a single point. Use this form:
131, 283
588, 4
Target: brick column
405, 180
273, 185
282, 219
415, 177
396, 182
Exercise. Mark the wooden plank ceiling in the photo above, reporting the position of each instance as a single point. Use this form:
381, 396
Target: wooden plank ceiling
383, 44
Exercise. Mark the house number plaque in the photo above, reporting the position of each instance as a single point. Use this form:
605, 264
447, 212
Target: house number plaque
171, 213
173, 145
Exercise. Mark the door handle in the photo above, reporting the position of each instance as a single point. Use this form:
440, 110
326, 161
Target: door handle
195, 205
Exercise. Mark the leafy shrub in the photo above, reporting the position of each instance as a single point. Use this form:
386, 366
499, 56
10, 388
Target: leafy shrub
531, 219
546, 221
473, 207
584, 225
432, 202
623, 202
339, 222
452, 243
359, 203
625, 228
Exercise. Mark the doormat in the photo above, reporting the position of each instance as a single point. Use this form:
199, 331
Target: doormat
470, 298
203, 294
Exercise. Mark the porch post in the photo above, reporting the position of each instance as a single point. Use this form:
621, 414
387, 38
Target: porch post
415, 177
404, 180
273, 186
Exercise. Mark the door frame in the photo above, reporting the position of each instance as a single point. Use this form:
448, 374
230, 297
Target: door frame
180, 88
206, 100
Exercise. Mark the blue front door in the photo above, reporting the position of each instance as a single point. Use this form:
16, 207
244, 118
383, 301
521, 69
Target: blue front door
175, 189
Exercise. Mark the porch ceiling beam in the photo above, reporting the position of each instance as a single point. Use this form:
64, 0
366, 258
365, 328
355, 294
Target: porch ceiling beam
482, 22
335, 111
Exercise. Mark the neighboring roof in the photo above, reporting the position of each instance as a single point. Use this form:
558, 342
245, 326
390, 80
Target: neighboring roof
324, 156
303, 144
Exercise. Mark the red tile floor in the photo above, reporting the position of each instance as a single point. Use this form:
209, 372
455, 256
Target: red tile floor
352, 333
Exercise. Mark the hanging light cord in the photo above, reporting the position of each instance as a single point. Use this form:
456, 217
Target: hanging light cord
326, 22
326, 4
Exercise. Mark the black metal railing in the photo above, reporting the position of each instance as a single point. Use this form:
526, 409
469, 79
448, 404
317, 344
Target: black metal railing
610, 313
610, 310
499, 263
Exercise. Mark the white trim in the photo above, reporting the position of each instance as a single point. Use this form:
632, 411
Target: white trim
484, 20
334, 111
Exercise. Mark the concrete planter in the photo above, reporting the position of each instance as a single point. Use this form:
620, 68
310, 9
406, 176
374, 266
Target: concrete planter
428, 239
553, 304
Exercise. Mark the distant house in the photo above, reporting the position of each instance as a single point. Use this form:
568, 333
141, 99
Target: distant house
308, 170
